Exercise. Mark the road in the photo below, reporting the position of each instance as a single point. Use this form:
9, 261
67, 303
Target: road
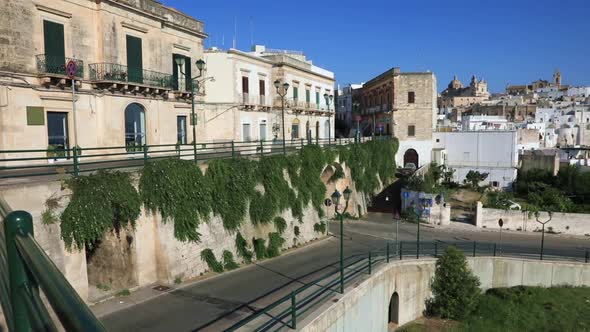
216, 303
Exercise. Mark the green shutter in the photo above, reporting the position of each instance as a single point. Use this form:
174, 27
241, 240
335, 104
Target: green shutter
188, 73
175, 71
134, 59
307, 96
53, 38
295, 92
317, 97
35, 116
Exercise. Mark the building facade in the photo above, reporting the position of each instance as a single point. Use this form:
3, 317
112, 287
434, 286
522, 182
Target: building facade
129, 90
402, 104
347, 106
456, 95
242, 103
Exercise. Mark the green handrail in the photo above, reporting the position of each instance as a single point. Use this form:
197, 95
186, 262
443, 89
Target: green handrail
29, 268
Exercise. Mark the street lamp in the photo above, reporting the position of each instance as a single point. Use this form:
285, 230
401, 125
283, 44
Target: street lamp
201, 66
355, 106
336, 200
282, 92
543, 230
329, 99
418, 212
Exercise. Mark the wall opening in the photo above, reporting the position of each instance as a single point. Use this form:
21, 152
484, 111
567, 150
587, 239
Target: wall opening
394, 309
411, 157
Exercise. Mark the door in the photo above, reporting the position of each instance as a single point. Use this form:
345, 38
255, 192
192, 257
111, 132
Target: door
134, 128
55, 57
262, 131
181, 129
134, 60
57, 133
246, 132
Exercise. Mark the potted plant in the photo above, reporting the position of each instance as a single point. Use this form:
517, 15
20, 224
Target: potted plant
51, 154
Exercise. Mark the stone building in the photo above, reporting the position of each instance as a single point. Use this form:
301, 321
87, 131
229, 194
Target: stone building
242, 103
402, 105
534, 86
346, 108
129, 88
456, 95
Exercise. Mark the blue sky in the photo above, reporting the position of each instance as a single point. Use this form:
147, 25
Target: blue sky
504, 41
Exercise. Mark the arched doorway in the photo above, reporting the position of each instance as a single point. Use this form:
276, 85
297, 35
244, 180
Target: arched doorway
411, 157
327, 129
394, 309
134, 127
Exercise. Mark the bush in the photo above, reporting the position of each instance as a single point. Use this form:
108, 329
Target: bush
455, 289
242, 246
228, 261
275, 243
259, 248
209, 257
280, 224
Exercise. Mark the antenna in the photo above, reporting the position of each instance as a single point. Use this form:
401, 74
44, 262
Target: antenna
235, 32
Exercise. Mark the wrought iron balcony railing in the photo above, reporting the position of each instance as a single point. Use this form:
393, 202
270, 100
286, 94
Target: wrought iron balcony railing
51, 64
121, 73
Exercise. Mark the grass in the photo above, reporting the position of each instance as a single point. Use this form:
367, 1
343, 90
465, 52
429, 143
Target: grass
520, 309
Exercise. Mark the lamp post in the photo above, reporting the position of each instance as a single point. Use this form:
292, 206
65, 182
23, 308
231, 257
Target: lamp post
419, 213
355, 106
201, 66
282, 92
501, 224
329, 99
336, 199
543, 229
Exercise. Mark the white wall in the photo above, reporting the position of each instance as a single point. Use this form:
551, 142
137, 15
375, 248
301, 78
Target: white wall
424, 149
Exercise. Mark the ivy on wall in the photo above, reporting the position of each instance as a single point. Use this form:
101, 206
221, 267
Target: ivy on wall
100, 203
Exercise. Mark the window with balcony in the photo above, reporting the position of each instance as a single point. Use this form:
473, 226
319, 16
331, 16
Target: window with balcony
245, 89
411, 131
181, 76
53, 60
411, 97
134, 59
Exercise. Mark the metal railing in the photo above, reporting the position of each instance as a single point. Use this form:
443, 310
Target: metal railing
112, 72
286, 311
78, 160
51, 64
24, 269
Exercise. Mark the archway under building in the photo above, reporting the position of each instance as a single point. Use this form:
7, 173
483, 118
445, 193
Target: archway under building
393, 317
411, 157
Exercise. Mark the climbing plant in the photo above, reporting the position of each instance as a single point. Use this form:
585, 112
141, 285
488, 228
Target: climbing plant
178, 190
100, 203
209, 257
275, 243
228, 261
280, 224
242, 248
259, 248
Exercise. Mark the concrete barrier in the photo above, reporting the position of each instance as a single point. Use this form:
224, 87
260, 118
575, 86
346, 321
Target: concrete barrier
366, 305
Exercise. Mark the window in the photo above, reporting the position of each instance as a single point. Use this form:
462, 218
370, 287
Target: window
57, 132
317, 98
295, 129
495, 184
53, 37
261, 87
181, 76
134, 60
411, 97
295, 93
246, 132
245, 84
134, 127
262, 130
181, 129
465, 156
327, 129
307, 96
411, 131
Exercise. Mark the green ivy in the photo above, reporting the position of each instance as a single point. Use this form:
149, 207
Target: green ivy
275, 243
100, 203
228, 261
232, 184
320, 227
280, 224
209, 257
259, 248
242, 248
296, 231
179, 192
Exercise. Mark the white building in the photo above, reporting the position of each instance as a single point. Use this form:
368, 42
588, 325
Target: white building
345, 108
492, 152
242, 103
485, 122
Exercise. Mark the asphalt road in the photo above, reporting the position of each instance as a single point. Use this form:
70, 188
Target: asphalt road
216, 303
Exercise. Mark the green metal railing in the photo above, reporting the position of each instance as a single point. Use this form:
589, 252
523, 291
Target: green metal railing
114, 72
26, 268
77, 160
286, 311
51, 64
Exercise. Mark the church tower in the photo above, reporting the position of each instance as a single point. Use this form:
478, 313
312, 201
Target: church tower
557, 77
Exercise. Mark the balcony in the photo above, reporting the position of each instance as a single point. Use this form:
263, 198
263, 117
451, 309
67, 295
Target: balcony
120, 77
51, 67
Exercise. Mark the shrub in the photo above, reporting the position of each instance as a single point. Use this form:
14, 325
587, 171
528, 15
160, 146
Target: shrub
275, 243
296, 230
455, 289
242, 246
228, 261
280, 224
209, 257
259, 248
320, 227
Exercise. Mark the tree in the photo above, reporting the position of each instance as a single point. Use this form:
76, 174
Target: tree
455, 288
475, 177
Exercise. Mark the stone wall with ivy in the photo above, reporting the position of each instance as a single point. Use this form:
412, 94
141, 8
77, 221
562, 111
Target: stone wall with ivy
179, 220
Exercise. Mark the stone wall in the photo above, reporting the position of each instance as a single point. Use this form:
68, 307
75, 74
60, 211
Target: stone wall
366, 306
566, 223
151, 253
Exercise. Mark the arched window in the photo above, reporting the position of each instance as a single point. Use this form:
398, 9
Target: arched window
134, 127
327, 129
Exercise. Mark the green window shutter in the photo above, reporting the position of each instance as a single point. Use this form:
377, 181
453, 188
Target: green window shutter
295, 92
134, 59
307, 96
35, 116
188, 72
53, 38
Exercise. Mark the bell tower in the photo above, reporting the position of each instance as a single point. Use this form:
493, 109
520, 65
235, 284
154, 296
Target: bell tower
557, 77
